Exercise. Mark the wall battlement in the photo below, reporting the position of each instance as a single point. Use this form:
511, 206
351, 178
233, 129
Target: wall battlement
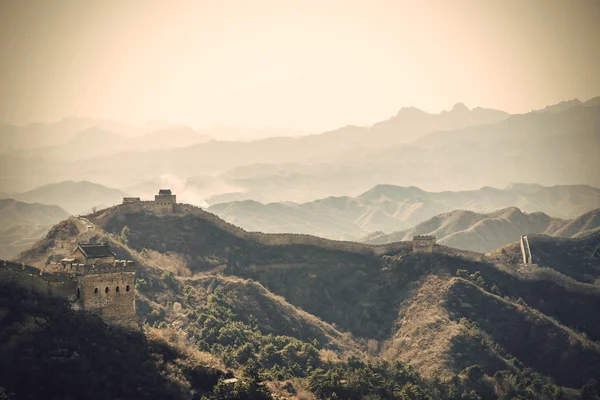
67, 266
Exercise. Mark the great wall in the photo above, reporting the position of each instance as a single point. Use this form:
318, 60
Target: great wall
162, 205
96, 282
525, 242
165, 204
526, 251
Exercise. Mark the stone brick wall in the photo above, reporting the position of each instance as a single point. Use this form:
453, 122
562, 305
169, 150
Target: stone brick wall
110, 295
117, 307
100, 216
423, 245
57, 285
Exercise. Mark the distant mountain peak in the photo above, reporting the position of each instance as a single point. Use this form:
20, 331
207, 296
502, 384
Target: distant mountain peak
410, 110
460, 107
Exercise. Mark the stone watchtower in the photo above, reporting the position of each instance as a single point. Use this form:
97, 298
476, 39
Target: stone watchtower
105, 286
423, 244
164, 196
165, 200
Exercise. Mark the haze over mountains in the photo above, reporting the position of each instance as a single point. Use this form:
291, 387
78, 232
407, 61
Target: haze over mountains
469, 150
543, 147
387, 178
300, 200
443, 313
391, 208
22, 224
96, 142
75, 197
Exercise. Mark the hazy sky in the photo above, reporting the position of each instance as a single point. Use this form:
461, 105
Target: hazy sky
309, 65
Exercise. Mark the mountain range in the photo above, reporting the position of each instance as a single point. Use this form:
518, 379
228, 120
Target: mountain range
96, 142
471, 148
441, 313
389, 208
545, 147
485, 232
75, 197
52, 134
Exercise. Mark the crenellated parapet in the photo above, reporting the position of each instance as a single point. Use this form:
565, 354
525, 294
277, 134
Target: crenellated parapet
70, 265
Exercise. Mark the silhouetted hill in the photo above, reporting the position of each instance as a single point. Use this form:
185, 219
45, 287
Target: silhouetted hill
387, 208
410, 123
593, 102
75, 197
562, 106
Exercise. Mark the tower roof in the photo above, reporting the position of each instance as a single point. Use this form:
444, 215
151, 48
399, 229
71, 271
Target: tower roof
164, 191
95, 250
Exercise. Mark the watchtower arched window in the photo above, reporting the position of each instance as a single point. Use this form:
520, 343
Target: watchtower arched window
96, 291
78, 293
106, 290
117, 289
127, 288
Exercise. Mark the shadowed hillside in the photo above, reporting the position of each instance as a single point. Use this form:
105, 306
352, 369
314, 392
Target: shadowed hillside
577, 258
75, 197
50, 351
362, 291
442, 313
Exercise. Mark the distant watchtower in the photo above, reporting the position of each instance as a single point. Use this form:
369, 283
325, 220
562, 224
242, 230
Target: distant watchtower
165, 200
165, 197
423, 244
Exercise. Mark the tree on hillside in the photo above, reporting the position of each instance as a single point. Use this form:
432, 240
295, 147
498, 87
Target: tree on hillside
124, 235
